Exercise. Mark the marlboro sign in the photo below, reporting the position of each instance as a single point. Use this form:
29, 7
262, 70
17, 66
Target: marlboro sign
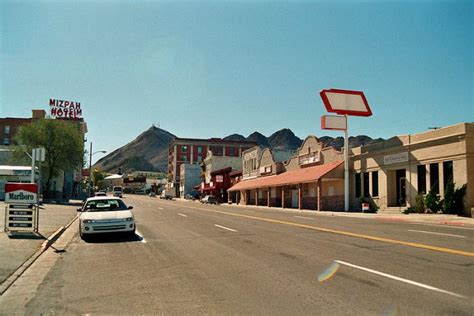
21, 193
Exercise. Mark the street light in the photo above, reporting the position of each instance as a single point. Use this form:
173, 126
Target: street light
90, 167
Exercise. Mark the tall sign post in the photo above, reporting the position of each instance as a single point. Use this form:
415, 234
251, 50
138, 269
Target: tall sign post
344, 103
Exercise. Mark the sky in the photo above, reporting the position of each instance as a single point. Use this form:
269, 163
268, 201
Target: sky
202, 69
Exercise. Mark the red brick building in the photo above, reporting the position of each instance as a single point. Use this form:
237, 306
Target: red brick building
194, 151
10, 125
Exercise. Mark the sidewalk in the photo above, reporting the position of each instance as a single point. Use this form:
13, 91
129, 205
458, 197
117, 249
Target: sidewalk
14, 252
437, 219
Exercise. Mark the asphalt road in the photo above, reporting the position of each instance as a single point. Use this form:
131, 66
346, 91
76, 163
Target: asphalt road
190, 258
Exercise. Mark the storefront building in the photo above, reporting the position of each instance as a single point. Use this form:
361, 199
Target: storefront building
310, 179
392, 173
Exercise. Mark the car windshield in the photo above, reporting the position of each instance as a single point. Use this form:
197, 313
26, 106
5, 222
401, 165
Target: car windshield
105, 205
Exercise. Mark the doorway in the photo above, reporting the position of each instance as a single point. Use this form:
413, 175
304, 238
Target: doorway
401, 187
294, 198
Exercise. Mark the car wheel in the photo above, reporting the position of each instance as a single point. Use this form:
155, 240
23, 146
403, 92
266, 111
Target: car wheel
81, 234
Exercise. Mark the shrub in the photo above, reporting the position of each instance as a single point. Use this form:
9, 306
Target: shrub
432, 201
420, 204
449, 204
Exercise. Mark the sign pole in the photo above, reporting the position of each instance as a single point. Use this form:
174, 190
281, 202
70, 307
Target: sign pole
346, 166
33, 158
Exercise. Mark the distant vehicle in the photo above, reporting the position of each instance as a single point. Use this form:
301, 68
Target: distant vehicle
167, 194
118, 191
100, 193
104, 214
209, 199
189, 197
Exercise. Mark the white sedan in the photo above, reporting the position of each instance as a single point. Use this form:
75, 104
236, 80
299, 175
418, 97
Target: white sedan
104, 214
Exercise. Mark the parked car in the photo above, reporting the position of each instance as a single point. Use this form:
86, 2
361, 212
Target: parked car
189, 197
100, 193
105, 214
209, 199
118, 191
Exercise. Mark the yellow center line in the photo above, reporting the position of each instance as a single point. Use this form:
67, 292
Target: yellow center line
346, 233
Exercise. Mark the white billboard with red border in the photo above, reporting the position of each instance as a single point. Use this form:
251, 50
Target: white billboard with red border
345, 102
334, 122
21, 193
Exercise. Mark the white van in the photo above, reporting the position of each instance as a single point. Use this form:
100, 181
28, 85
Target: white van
117, 191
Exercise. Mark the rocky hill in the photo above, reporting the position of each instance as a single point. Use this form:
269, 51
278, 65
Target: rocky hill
149, 151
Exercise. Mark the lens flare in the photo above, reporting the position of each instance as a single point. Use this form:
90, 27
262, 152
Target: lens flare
328, 273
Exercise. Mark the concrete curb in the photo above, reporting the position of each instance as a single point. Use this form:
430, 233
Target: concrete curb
44, 246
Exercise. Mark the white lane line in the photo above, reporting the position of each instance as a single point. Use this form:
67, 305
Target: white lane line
400, 279
142, 239
303, 217
435, 233
226, 228
183, 215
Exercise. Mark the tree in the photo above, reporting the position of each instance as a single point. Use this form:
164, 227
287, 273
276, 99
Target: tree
62, 141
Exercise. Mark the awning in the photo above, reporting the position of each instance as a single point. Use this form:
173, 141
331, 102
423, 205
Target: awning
302, 175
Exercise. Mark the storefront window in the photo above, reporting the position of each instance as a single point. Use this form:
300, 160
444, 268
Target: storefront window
447, 172
434, 177
358, 185
421, 175
375, 183
366, 184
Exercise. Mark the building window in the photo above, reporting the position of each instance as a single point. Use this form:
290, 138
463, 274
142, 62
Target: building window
199, 159
447, 172
184, 149
216, 150
366, 184
375, 183
184, 158
421, 175
6, 141
358, 187
199, 149
7, 129
232, 151
434, 177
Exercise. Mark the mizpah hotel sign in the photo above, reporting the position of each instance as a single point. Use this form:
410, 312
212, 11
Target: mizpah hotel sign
65, 109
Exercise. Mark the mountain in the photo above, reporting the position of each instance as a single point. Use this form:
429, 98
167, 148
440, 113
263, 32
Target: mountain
259, 139
235, 137
147, 152
284, 139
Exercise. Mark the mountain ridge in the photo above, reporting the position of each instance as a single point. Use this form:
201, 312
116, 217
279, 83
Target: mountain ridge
149, 150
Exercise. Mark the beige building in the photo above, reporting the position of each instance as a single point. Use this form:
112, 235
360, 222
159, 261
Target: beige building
393, 172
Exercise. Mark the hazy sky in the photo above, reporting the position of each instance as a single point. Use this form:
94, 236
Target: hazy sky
212, 68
